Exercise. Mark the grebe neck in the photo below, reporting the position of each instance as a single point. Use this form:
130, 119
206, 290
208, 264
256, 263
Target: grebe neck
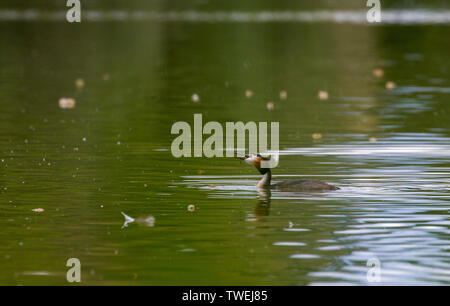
265, 181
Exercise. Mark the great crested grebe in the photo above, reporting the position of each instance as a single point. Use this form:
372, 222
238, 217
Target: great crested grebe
289, 185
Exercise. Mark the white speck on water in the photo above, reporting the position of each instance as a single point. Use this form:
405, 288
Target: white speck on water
195, 98
84, 139
66, 103
322, 95
390, 85
79, 83
187, 250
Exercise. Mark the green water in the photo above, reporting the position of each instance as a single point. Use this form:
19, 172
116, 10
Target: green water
111, 153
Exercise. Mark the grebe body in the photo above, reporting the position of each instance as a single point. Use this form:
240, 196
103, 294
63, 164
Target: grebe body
302, 185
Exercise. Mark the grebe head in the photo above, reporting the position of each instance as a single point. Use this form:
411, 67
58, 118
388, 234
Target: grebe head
255, 160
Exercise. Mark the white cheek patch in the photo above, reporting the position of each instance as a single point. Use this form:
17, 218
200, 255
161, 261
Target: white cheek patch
251, 160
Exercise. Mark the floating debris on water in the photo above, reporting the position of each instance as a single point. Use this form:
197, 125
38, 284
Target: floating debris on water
195, 98
378, 73
283, 95
148, 221
200, 172
39, 210
316, 136
270, 106
248, 93
128, 219
66, 103
322, 95
373, 139
212, 186
390, 85
84, 139
191, 207
106, 77
79, 83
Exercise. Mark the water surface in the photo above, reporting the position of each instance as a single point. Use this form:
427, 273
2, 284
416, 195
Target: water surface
388, 151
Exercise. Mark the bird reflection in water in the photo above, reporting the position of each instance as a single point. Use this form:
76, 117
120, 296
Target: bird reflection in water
262, 207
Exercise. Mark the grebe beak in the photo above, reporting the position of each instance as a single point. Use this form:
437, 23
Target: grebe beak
251, 159
243, 157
